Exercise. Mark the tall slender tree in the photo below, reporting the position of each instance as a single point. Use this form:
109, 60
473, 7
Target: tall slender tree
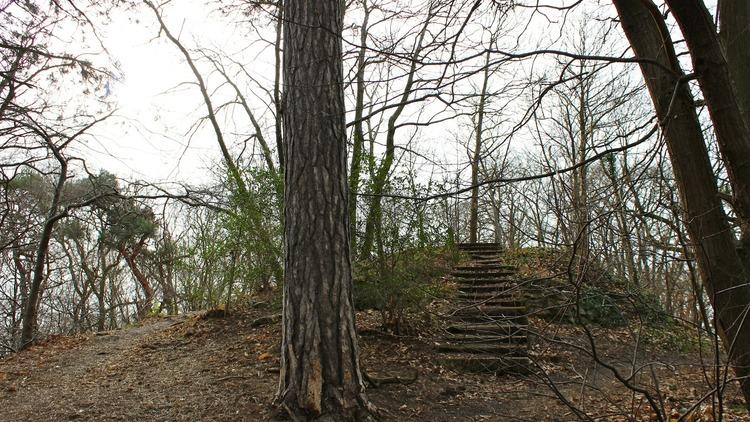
477, 155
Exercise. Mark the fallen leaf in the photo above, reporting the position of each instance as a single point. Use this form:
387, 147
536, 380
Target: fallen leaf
265, 356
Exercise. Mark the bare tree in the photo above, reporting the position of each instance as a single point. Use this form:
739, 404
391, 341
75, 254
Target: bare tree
722, 269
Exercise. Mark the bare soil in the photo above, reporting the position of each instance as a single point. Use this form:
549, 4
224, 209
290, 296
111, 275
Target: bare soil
211, 367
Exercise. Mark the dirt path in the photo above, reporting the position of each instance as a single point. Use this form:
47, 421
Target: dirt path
59, 379
102, 350
163, 370
199, 368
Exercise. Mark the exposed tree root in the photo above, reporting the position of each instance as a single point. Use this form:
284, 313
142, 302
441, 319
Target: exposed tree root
376, 381
265, 320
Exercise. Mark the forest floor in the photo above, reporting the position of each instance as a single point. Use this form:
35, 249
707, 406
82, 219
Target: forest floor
211, 367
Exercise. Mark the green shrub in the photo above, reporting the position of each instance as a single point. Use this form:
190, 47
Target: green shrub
674, 336
601, 307
599, 297
404, 285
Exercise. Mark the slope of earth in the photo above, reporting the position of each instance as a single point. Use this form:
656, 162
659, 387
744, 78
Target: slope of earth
208, 367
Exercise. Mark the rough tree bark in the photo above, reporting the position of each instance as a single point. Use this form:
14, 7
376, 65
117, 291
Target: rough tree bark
320, 377
735, 35
712, 70
719, 264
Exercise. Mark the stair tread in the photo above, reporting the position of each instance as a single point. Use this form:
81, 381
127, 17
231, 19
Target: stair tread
484, 281
506, 348
488, 325
488, 295
497, 308
482, 274
459, 356
489, 364
469, 300
520, 318
488, 287
474, 338
484, 266
466, 304
487, 331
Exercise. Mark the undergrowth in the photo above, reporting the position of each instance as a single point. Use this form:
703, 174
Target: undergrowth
401, 285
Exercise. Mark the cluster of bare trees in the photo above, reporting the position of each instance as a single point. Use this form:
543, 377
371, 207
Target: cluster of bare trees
38, 131
360, 133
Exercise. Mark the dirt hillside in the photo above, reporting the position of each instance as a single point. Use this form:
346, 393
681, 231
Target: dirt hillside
211, 367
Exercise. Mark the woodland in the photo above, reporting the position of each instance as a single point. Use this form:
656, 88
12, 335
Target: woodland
403, 210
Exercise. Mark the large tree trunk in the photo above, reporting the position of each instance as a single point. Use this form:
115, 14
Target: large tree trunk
712, 70
320, 377
734, 19
735, 37
720, 266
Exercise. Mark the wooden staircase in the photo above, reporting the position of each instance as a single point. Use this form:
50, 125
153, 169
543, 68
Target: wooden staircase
487, 329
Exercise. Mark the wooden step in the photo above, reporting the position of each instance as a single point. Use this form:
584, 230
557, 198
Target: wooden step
485, 339
487, 253
489, 364
521, 319
487, 328
494, 287
485, 261
506, 295
494, 301
482, 274
478, 250
487, 280
508, 282
485, 295
485, 267
482, 348
474, 246
491, 310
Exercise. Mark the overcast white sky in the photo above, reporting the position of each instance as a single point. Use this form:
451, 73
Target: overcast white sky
148, 140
